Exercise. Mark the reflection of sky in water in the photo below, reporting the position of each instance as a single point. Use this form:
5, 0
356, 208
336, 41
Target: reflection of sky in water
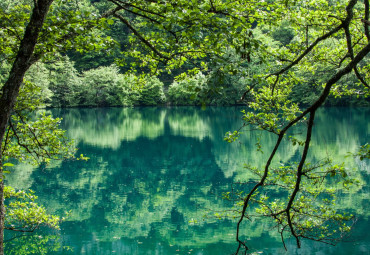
154, 173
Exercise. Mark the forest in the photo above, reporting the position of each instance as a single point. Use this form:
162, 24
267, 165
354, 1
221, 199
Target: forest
101, 78
281, 60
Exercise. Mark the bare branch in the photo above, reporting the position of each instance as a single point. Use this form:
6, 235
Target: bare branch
124, 7
247, 92
120, 7
22, 230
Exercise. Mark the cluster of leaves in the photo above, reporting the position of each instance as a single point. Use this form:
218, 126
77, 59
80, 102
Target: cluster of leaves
65, 28
175, 32
186, 90
363, 152
149, 91
34, 137
271, 111
24, 214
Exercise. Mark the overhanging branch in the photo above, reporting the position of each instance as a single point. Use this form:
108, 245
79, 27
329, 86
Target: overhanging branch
141, 38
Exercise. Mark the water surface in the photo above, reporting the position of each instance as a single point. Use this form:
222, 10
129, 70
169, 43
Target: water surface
155, 178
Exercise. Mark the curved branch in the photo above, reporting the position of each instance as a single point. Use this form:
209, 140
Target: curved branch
111, 12
299, 174
24, 146
351, 54
308, 50
366, 20
141, 38
361, 79
34, 136
262, 181
325, 93
122, 7
136, 7
344, 23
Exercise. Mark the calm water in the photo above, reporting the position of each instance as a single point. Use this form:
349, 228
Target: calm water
155, 179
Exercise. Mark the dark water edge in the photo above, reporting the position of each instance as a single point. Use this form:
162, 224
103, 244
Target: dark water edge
155, 172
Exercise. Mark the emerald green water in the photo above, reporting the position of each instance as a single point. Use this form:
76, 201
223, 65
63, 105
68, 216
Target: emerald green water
154, 173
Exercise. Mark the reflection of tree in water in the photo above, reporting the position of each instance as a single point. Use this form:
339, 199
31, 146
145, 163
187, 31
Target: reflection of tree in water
143, 181
108, 127
151, 171
42, 243
144, 189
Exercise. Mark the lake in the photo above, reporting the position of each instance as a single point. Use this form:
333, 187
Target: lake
155, 179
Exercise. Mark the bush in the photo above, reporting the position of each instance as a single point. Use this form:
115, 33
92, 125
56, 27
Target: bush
65, 83
104, 86
187, 91
151, 93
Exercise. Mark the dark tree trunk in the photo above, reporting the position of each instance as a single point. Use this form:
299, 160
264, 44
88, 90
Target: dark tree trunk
23, 61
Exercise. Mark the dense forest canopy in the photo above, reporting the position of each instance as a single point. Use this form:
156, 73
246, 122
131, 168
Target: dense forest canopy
283, 59
94, 70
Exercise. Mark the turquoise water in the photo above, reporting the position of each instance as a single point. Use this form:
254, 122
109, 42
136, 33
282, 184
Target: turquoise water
155, 178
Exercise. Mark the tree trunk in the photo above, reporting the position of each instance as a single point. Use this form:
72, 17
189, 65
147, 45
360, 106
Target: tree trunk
11, 87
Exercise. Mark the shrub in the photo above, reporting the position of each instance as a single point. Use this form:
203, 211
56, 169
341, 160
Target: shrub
187, 91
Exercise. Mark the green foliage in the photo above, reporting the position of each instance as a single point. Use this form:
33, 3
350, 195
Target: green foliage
33, 135
23, 214
232, 136
64, 83
227, 79
284, 33
271, 111
150, 93
186, 90
69, 26
181, 31
38, 141
307, 38
105, 86
363, 152
100, 87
